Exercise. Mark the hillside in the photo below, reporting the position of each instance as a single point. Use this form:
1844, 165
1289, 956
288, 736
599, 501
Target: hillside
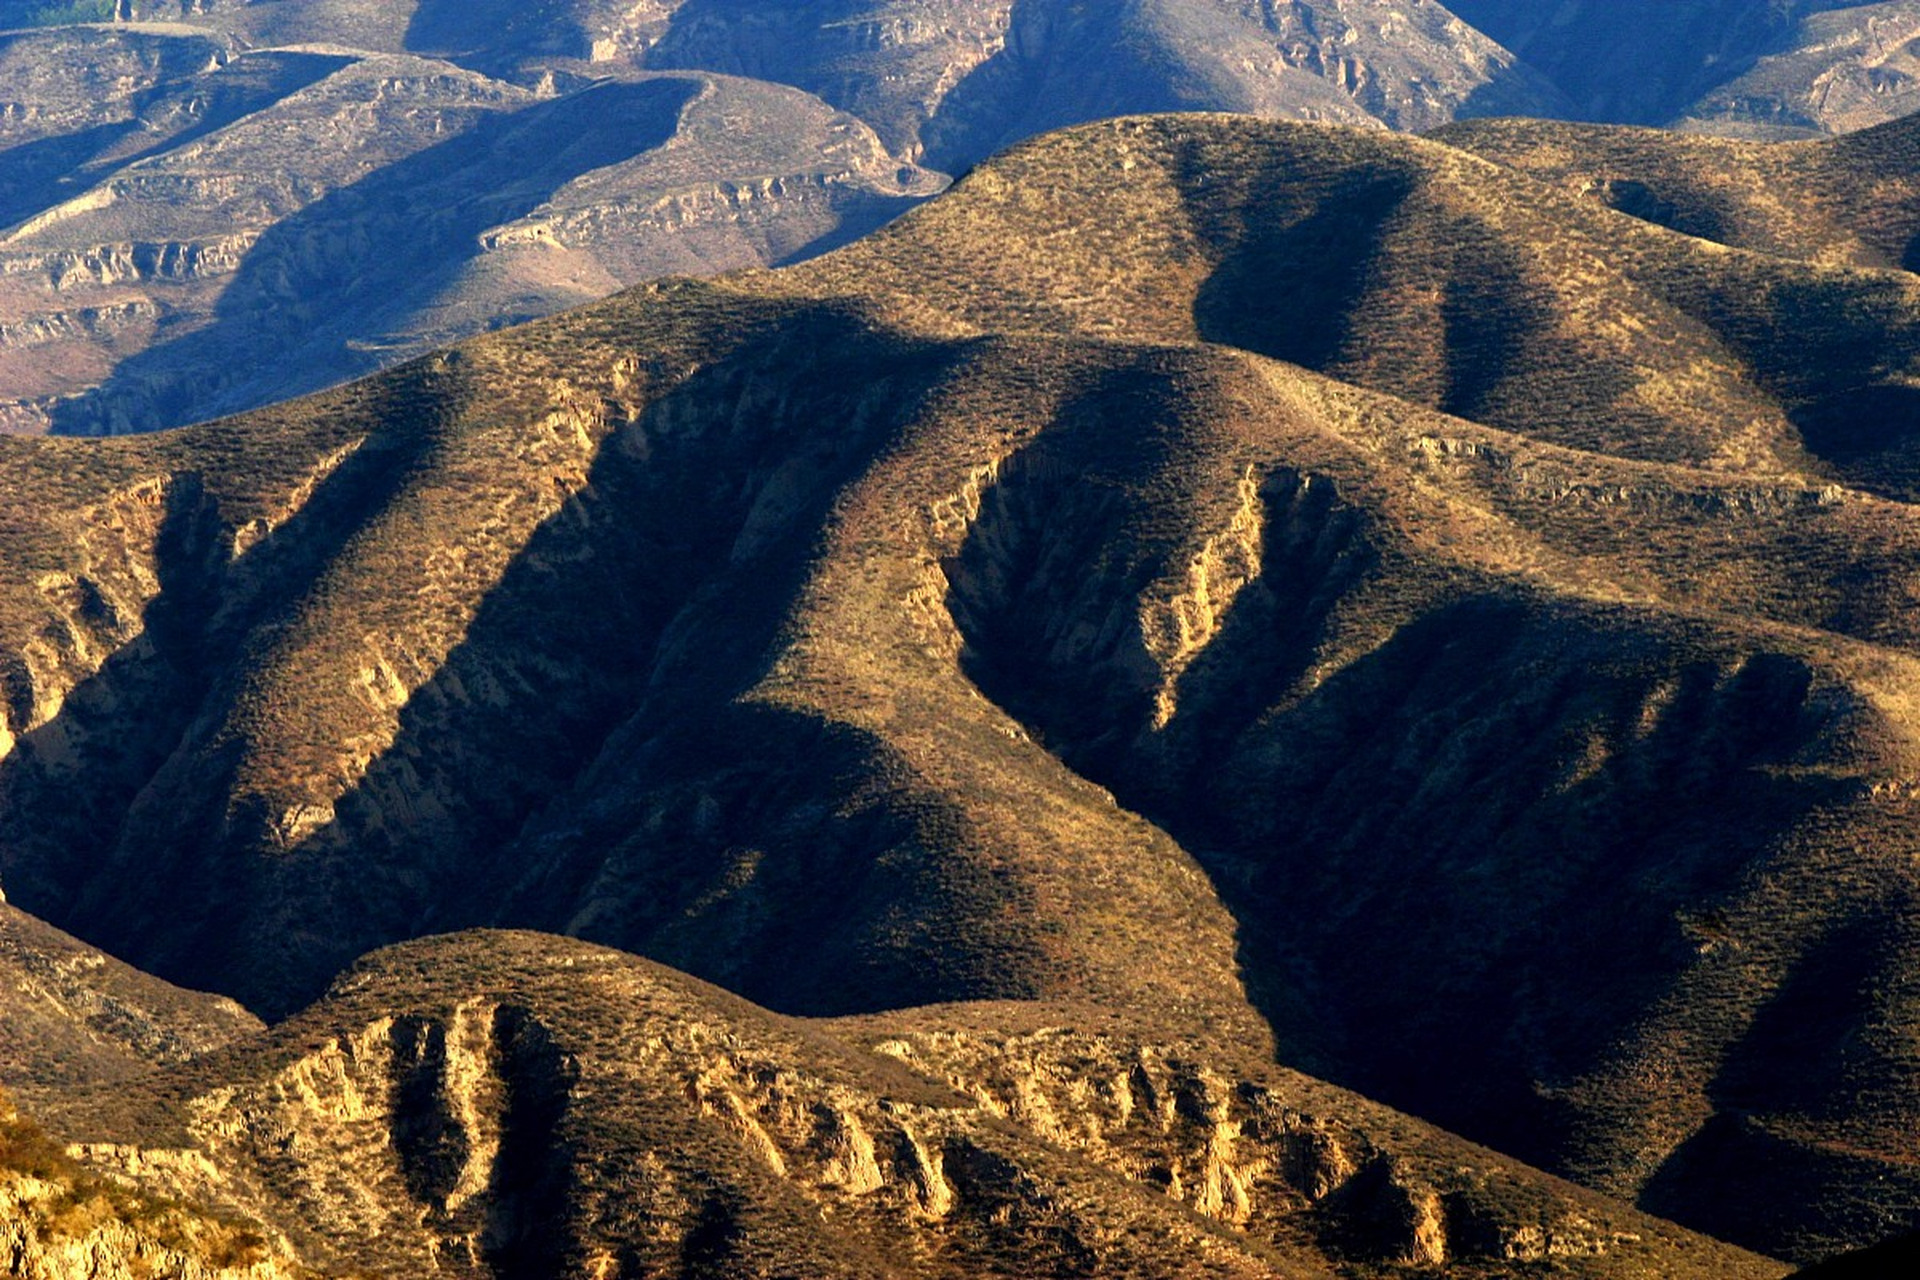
522, 1105
1766, 67
1339, 596
76, 1018
61, 1221
216, 205
222, 205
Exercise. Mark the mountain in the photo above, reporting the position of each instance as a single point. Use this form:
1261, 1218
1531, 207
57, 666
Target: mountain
522, 1105
228, 227
73, 1019
210, 206
1771, 67
1852, 202
60, 1220
955, 93
481, 1104
222, 205
1337, 596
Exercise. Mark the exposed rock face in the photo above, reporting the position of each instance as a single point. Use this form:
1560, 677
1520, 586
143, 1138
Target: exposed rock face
515, 1105
962, 80
1737, 66
1843, 67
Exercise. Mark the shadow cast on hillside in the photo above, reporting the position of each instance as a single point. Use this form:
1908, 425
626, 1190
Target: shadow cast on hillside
491, 36
1288, 293
1444, 901
349, 267
1744, 1166
600, 776
80, 844
580, 762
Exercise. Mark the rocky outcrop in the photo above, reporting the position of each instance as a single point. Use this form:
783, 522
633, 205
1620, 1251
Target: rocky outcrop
512, 1105
58, 1221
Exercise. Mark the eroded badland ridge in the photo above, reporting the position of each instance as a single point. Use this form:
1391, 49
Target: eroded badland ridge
1388, 605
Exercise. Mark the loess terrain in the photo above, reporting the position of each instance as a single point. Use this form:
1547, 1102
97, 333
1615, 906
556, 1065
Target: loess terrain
1129, 689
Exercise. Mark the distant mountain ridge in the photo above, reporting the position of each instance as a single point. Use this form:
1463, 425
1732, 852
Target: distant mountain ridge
163, 249
166, 247
1797, 68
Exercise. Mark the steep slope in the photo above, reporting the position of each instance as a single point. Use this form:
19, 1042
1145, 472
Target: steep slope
969, 613
949, 81
310, 216
59, 1221
1842, 67
75, 1017
520, 1105
1795, 67
1416, 270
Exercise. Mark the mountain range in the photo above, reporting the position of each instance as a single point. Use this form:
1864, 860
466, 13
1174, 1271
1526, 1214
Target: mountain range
1315, 689
1433, 614
211, 205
